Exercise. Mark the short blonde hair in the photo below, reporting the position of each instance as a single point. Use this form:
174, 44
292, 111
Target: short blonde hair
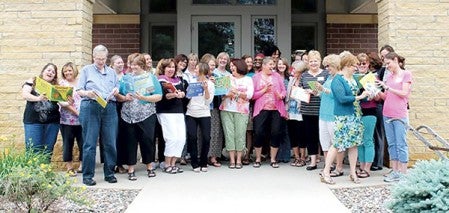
332, 60
223, 54
313, 54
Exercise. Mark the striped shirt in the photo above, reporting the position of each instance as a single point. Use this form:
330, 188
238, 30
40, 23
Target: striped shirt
313, 107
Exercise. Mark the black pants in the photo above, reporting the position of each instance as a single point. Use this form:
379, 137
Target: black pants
142, 134
160, 142
312, 137
192, 125
268, 121
296, 133
69, 133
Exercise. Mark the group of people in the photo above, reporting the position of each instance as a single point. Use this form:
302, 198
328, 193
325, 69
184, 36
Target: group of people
153, 109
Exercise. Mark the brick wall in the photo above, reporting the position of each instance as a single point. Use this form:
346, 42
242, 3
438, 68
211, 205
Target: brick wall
120, 39
356, 38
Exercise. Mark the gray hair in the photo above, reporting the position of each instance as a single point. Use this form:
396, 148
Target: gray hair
267, 59
99, 49
299, 66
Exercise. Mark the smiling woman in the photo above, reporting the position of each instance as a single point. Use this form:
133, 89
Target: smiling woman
41, 116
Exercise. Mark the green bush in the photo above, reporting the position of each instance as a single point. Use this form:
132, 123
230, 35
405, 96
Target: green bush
424, 189
28, 181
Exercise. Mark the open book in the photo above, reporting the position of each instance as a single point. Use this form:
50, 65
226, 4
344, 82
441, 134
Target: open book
53, 92
169, 87
142, 84
369, 83
103, 102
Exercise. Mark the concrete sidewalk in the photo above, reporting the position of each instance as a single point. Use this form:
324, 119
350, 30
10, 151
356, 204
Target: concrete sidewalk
249, 189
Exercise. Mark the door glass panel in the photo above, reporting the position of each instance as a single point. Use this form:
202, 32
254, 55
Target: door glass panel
264, 33
216, 37
303, 37
304, 6
162, 42
236, 2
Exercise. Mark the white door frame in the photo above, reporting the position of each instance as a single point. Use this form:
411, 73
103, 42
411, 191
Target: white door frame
282, 12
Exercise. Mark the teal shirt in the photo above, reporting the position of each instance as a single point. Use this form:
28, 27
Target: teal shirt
327, 102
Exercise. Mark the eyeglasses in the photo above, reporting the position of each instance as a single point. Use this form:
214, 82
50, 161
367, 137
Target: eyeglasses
363, 63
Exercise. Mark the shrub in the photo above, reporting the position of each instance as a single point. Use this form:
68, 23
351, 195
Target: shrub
28, 181
424, 189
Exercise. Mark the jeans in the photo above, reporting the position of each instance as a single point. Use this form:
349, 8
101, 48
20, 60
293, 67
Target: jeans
95, 119
41, 137
396, 138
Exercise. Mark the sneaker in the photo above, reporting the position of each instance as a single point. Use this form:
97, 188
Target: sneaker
197, 169
393, 177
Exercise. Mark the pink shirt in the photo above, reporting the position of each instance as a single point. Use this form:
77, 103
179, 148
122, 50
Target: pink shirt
394, 105
261, 98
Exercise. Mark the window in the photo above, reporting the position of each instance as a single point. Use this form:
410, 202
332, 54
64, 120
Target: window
303, 37
236, 2
162, 6
162, 42
304, 6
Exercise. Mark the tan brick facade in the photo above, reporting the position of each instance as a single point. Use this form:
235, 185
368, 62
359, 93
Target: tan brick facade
419, 31
33, 33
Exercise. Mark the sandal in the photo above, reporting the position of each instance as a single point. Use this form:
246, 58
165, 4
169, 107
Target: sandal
355, 180
274, 165
326, 179
169, 170
132, 176
151, 173
177, 170
245, 162
336, 173
363, 174
215, 164
232, 166
256, 164
238, 166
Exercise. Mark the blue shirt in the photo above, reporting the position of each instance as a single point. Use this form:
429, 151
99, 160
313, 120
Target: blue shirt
327, 102
91, 78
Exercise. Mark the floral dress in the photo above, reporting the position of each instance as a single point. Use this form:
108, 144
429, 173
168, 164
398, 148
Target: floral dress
349, 128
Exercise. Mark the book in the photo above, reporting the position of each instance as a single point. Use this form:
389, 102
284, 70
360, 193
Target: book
103, 102
142, 84
299, 94
53, 92
312, 85
222, 85
195, 89
369, 83
168, 87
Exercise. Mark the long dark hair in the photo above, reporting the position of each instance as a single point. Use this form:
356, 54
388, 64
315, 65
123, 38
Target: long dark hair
55, 79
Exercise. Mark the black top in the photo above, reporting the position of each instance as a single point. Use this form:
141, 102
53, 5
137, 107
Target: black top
42, 112
174, 105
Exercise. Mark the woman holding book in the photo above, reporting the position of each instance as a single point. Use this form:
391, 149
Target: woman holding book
326, 116
310, 111
41, 116
139, 115
170, 114
70, 124
235, 112
348, 131
198, 115
295, 124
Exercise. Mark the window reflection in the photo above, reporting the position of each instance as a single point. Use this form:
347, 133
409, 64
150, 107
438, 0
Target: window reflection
162, 42
216, 37
303, 37
264, 33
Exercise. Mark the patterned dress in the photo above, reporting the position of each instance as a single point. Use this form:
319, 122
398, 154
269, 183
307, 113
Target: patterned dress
349, 128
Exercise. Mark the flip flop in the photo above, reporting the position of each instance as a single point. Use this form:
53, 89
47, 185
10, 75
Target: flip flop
336, 173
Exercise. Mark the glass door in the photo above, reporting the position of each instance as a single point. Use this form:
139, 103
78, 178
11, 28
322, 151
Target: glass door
215, 34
